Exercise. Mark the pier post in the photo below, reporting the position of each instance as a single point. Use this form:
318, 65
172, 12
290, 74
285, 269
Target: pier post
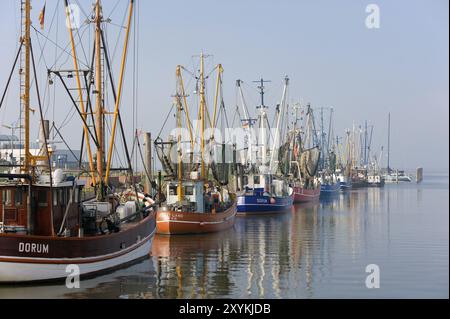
148, 163
419, 175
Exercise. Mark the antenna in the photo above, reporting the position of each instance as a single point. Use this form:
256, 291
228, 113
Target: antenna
261, 88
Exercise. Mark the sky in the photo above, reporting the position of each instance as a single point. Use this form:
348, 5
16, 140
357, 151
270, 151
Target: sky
330, 56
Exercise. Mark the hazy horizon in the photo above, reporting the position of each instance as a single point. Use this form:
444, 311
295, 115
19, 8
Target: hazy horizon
330, 56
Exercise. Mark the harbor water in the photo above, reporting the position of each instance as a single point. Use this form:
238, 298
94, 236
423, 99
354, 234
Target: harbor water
316, 250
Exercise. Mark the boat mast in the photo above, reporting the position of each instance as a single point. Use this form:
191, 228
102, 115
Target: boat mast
280, 115
178, 97
322, 138
389, 144
249, 122
80, 92
202, 115
99, 112
262, 122
25, 83
119, 93
216, 97
330, 137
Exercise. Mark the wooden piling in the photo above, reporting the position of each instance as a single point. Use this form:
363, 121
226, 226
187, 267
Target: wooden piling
148, 163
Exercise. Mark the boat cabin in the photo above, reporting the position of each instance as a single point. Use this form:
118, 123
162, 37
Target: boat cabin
39, 209
266, 185
193, 196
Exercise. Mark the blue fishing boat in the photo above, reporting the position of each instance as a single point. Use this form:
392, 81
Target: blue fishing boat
345, 184
329, 185
259, 200
265, 188
329, 189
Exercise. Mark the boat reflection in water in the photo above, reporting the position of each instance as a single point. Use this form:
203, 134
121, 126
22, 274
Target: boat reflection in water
318, 250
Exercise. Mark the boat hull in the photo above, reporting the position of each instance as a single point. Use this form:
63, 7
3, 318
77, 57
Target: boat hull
359, 184
345, 186
400, 179
180, 223
376, 184
303, 195
260, 204
329, 189
25, 259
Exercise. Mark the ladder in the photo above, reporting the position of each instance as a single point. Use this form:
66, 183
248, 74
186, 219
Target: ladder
21, 126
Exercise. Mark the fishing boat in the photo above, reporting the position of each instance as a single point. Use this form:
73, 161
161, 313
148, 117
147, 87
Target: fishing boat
259, 200
345, 182
375, 180
344, 169
392, 175
266, 189
47, 225
194, 202
305, 157
396, 176
374, 176
359, 177
329, 185
329, 182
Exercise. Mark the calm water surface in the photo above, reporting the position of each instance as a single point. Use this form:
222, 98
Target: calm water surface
314, 251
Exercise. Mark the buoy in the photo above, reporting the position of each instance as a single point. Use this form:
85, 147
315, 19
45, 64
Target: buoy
273, 200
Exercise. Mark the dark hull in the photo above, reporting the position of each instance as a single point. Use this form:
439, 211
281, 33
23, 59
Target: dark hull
381, 184
46, 258
329, 189
345, 186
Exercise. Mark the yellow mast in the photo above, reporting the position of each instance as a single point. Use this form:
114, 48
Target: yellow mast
219, 80
202, 115
80, 93
119, 93
26, 85
183, 93
99, 100
180, 164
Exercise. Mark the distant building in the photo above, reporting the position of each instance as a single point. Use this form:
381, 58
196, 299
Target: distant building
66, 159
12, 152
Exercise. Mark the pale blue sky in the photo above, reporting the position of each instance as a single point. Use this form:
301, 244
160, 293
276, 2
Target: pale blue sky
324, 47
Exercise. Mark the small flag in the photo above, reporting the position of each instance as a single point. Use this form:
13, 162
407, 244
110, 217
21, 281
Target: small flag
42, 17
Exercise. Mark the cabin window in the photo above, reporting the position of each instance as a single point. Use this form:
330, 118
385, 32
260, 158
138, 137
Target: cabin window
55, 198
77, 195
42, 198
18, 197
172, 190
62, 197
6, 197
189, 190
256, 180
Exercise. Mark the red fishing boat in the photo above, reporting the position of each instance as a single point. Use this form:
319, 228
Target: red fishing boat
305, 160
303, 195
171, 220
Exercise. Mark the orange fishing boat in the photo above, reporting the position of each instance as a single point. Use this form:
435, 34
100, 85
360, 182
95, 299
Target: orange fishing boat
193, 202
169, 222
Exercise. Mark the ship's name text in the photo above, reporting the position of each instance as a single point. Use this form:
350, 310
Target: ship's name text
33, 248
